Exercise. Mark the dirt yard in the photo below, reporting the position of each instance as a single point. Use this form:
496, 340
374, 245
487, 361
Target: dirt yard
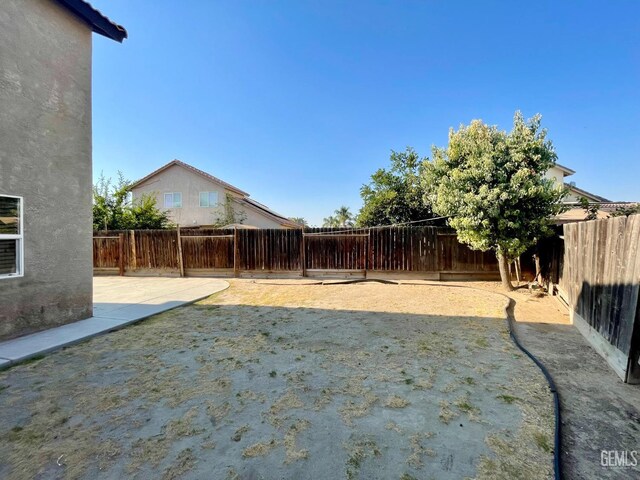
288, 381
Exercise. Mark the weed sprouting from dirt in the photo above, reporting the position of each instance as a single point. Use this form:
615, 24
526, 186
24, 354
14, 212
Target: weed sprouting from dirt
237, 435
542, 441
282, 407
446, 414
292, 453
358, 451
186, 461
395, 401
464, 404
418, 450
507, 398
259, 449
393, 426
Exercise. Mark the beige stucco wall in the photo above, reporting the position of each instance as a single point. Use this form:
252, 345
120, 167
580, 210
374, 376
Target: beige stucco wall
45, 157
190, 184
558, 176
178, 179
555, 174
571, 197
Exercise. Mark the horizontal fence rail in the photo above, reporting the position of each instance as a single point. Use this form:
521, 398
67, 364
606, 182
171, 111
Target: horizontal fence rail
293, 251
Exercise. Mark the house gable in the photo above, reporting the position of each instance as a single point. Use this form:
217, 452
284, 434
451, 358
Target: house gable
190, 182
193, 170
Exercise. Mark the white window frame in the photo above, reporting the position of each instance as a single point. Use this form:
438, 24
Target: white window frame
173, 199
208, 199
19, 238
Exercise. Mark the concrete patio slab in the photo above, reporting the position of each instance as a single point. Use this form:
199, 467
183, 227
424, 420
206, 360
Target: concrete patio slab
118, 301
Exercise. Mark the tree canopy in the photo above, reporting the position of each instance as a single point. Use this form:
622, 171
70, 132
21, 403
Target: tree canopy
226, 214
342, 217
300, 221
113, 209
492, 186
395, 195
626, 210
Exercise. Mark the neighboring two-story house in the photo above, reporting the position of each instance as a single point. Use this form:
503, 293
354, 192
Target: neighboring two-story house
195, 198
45, 161
559, 173
575, 212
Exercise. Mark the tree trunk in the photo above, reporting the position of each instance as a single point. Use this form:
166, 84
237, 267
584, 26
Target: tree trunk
503, 265
538, 278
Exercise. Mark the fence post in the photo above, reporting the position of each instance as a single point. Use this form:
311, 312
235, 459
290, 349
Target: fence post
121, 254
367, 247
303, 254
236, 260
180, 259
132, 250
370, 264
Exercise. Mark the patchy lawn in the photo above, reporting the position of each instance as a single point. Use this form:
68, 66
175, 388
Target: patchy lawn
288, 381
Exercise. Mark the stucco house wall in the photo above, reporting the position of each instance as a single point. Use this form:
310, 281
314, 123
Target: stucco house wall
554, 173
184, 179
177, 179
45, 157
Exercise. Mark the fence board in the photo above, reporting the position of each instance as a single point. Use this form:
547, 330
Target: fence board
601, 276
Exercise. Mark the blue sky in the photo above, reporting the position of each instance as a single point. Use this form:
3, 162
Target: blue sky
299, 102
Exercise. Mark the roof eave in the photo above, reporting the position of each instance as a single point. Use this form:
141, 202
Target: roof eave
192, 169
95, 20
579, 191
565, 170
284, 221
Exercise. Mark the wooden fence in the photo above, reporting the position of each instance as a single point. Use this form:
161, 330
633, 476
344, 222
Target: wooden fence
433, 251
600, 280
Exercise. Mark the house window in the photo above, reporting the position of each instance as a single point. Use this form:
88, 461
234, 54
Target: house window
11, 239
173, 200
208, 199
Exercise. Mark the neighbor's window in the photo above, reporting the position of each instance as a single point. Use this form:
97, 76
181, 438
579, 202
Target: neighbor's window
11, 241
208, 199
173, 200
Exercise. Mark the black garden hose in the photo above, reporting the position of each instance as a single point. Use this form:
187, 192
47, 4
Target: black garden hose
557, 443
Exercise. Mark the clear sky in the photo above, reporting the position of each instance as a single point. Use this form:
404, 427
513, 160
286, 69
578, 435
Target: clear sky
298, 102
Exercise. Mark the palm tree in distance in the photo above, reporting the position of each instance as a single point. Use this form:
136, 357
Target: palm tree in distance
330, 221
344, 217
300, 221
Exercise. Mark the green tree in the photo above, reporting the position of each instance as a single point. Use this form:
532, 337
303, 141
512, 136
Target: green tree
227, 214
625, 210
590, 209
143, 214
395, 195
330, 221
114, 210
299, 220
492, 186
344, 217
